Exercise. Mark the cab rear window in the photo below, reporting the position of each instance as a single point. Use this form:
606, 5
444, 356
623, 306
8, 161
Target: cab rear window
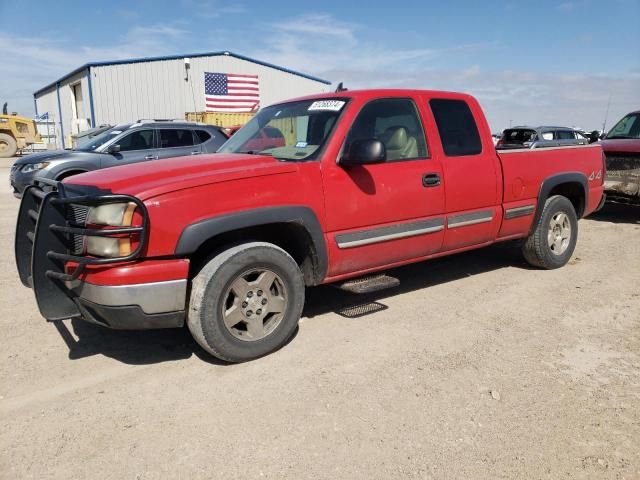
456, 126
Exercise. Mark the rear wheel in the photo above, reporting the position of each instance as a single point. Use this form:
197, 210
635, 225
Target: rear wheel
246, 302
554, 239
8, 146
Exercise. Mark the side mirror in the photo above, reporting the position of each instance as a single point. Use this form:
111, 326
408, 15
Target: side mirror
114, 148
364, 152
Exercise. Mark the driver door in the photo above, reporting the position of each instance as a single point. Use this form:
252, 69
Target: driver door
389, 212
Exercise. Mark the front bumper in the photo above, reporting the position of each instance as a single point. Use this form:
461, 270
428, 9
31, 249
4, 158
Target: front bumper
131, 307
47, 235
20, 181
127, 317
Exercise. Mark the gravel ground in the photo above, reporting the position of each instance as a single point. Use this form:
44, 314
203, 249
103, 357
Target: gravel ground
475, 367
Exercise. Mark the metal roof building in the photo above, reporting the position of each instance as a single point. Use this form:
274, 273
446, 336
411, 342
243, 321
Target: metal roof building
156, 87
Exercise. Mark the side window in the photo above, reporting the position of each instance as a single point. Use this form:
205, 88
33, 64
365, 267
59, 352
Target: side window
202, 135
565, 135
395, 122
137, 140
457, 127
547, 135
173, 137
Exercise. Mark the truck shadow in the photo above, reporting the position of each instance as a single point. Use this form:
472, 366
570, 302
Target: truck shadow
617, 213
417, 276
134, 347
156, 346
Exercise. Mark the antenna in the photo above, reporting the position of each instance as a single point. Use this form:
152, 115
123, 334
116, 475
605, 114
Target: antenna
604, 124
340, 88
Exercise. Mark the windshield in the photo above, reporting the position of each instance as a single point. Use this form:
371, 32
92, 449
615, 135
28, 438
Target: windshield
288, 131
628, 127
92, 143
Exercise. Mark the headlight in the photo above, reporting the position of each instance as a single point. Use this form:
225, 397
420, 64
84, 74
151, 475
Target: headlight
111, 215
34, 167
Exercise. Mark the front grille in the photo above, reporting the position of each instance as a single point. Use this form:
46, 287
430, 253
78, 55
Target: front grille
59, 222
78, 213
77, 216
617, 162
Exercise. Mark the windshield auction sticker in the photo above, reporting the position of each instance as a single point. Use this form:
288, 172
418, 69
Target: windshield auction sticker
331, 105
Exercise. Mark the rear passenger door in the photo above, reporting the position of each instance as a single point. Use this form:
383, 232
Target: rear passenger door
566, 138
209, 141
176, 142
473, 191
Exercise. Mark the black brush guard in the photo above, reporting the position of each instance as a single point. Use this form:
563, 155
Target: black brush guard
44, 243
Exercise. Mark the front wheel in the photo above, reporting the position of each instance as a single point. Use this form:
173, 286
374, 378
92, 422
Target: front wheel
8, 146
246, 302
554, 238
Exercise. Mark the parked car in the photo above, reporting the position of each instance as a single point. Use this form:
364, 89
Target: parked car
122, 144
622, 149
266, 138
540, 137
367, 180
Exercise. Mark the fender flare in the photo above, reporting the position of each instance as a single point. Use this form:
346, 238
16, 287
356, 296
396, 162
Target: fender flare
553, 181
195, 234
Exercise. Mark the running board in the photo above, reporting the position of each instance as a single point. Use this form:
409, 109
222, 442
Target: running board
369, 284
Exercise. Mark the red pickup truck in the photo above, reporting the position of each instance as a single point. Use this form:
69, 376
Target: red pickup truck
365, 181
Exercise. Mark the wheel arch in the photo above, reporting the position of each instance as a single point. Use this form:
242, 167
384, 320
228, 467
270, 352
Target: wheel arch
296, 229
70, 172
572, 185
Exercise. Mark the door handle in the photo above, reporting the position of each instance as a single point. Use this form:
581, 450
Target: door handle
150, 157
430, 180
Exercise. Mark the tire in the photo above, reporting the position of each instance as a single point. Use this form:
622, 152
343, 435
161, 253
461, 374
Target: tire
230, 307
554, 239
8, 146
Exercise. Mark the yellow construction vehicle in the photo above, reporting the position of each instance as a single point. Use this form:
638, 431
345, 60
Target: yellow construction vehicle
16, 133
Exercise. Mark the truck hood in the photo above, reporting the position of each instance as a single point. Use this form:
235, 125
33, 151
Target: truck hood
622, 145
44, 156
149, 179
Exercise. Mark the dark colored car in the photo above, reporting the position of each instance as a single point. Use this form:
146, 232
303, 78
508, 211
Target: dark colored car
122, 144
622, 149
540, 137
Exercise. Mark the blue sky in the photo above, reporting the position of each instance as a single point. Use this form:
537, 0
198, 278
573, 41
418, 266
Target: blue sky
527, 62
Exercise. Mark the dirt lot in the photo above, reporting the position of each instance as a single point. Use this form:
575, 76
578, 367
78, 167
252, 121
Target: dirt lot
476, 367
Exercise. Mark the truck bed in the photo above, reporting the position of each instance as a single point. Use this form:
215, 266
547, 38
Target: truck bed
524, 170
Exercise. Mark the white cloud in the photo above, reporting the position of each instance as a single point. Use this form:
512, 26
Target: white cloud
323, 46
31, 63
212, 8
566, 6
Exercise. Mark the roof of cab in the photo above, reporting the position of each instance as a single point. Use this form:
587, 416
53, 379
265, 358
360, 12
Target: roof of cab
380, 92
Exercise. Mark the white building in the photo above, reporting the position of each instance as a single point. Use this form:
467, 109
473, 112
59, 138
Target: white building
160, 87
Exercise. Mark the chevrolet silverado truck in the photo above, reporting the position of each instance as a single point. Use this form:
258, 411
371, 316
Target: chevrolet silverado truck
227, 243
621, 147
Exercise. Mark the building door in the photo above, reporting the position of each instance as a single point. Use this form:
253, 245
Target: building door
79, 122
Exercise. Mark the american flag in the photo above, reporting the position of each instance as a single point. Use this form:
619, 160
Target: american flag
230, 92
